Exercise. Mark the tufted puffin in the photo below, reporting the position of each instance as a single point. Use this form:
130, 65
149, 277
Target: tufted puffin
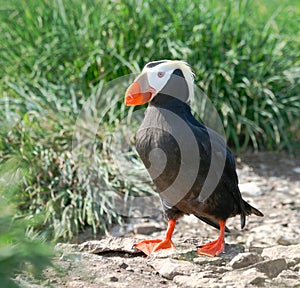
190, 164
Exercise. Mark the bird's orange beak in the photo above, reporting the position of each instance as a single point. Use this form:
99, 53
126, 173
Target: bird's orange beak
134, 96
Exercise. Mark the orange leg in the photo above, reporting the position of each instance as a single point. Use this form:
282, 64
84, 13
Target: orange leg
216, 247
149, 246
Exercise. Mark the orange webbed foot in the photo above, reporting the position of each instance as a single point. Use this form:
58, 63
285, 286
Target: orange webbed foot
150, 246
216, 247
211, 249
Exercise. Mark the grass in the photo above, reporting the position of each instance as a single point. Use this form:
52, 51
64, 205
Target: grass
56, 55
20, 250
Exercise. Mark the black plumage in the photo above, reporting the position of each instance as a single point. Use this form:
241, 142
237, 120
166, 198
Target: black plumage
226, 200
169, 142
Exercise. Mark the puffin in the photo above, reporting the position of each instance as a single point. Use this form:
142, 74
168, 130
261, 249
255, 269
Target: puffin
192, 168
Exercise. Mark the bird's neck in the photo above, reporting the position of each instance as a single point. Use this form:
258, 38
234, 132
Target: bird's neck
170, 103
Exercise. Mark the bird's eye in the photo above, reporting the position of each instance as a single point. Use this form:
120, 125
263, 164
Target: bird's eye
160, 74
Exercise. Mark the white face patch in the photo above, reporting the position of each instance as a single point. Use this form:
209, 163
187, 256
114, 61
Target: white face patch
158, 82
159, 73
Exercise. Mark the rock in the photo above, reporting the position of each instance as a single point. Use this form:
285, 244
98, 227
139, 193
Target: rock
289, 274
114, 244
245, 277
251, 189
257, 250
288, 201
182, 252
113, 279
244, 260
288, 279
283, 282
291, 263
271, 267
169, 268
297, 267
280, 251
216, 261
129, 269
196, 280
146, 228
296, 169
123, 265
231, 250
282, 240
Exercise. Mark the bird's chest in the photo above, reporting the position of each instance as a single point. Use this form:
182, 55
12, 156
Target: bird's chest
159, 149
160, 154
170, 152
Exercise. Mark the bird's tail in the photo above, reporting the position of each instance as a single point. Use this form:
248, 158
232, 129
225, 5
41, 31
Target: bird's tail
248, 210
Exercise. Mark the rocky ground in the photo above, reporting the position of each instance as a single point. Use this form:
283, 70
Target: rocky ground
266, 253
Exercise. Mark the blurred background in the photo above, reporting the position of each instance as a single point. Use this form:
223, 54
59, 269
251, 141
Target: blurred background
55, 55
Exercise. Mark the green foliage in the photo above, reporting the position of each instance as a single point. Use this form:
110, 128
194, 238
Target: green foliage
67, 194
18, 252
252, 76
57, 54
247, 65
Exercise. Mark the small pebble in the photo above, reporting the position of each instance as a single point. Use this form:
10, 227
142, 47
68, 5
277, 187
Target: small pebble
123, 265
297, 169
113, 279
